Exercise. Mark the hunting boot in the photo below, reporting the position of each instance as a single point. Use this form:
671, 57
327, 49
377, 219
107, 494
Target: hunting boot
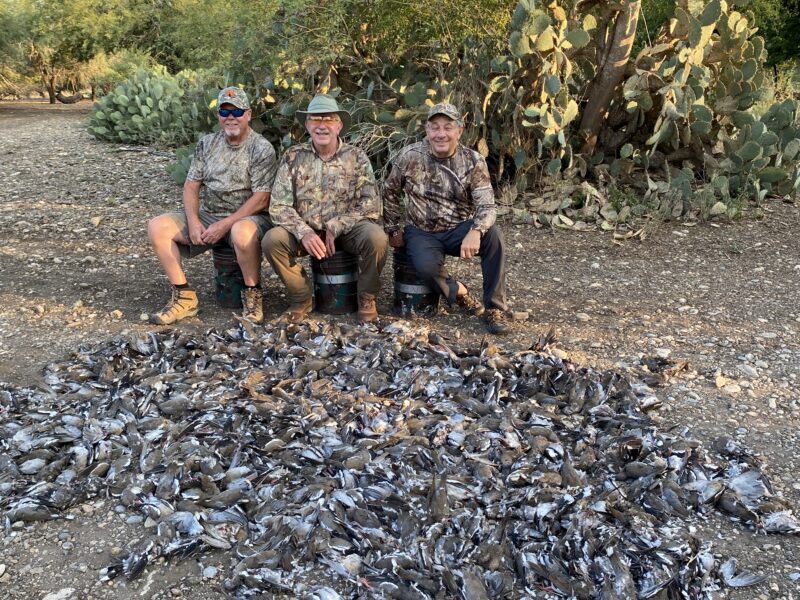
253, 304
367, 310
496, 321
182, 304
298, 310
469, 305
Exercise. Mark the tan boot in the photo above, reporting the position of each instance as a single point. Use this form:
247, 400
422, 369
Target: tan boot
367, 310
253, 304
182, 304
298, 310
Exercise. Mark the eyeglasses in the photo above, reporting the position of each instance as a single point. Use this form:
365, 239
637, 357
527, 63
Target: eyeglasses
327, 119
226, 112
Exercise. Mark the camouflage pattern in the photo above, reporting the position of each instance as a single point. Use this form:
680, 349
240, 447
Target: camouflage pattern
235, 96
331, 195
448, 110
440, 193
230, 174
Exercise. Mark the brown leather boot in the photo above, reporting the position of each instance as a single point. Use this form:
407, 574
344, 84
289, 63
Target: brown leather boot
367, 310
298, 310
182, 304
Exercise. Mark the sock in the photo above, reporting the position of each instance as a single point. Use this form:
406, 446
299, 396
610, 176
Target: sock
183, 286
253, 287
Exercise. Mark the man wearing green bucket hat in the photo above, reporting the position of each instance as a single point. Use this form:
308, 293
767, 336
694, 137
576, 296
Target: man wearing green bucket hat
451, 210
225, 199
324, 198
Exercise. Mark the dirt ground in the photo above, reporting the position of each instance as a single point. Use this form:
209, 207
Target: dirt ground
75, 267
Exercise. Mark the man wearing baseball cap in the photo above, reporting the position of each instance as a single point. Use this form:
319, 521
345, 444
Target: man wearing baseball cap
225, 202
324, 199
450, 210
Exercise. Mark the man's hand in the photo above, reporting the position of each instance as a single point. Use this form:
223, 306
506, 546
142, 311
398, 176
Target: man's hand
330, 243
396, 239
471, 244
215, 232
314, 245
196, 231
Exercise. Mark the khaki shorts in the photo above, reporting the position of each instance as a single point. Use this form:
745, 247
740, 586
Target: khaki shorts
261, 221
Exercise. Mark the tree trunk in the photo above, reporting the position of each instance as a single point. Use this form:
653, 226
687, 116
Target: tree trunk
50, 82
609, 73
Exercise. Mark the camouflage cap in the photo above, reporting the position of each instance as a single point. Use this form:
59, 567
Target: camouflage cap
233, 95
446, 109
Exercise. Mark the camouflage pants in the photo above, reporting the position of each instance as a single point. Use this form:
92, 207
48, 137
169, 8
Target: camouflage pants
366, 240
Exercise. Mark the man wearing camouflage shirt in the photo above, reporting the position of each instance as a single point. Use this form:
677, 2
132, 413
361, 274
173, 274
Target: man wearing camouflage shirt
451, 210
232, 170
324, 198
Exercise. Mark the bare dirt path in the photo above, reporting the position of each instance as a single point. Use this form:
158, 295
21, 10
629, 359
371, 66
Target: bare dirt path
75, 268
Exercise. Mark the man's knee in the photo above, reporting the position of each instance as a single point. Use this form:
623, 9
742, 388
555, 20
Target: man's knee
161, 227
493, 239
244, 233
275, 240
374, 237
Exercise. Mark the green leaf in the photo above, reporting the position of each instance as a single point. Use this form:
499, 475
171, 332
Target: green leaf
518, 43
711, 13
750, 151
569, 113
416, 95
772, 174
552, 84
578, 38
519, 158
121, 99
589, 22
792, 149
626, 151
702, 113
385, 117
545, 41
749, 68
553, 167
540, 23
768, 138
742, 118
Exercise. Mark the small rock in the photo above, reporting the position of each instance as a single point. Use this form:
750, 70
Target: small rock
748, 371
768, 335
2, 570
96, 221
559, 353
62, 594
663, 352
210, 572
116, 314
732, 388
176, 592
582, 317
520, 315
67, 546
144, 317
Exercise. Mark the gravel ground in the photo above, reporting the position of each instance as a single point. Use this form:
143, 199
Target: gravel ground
76, 267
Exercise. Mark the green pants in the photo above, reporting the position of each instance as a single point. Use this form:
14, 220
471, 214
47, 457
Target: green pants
366, 240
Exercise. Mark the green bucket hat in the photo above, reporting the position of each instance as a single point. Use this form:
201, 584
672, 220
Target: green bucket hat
323, 103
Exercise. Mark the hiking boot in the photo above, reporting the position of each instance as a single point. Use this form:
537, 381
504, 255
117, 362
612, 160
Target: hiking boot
367, 311
182, 304
496, 321
298, 310
469, 305
253, 304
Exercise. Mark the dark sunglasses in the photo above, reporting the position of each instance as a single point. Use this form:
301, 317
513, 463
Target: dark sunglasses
226, 112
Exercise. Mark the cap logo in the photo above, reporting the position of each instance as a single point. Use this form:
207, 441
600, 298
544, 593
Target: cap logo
230, 93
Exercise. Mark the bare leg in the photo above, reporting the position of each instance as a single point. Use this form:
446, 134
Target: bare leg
165, 236
244, 237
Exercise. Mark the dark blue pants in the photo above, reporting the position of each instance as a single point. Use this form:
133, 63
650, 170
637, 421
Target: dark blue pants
427, 251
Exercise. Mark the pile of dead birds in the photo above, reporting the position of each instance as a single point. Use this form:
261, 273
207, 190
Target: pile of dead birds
337, 460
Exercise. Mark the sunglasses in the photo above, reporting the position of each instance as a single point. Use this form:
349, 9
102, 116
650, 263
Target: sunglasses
327, 119
226, 112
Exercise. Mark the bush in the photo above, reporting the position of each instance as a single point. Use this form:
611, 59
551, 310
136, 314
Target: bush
153, 108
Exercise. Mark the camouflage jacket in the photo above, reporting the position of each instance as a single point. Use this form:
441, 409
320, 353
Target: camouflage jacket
440, 193
315, 194
230, 174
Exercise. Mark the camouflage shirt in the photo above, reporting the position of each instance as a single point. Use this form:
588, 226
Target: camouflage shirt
315, 194
230, 174
440, 193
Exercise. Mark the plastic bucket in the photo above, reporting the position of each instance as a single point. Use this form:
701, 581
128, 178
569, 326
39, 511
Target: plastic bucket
411, 294
228, 278
335, 284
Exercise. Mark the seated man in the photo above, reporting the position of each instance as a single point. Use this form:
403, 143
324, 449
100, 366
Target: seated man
451, 210
234, 168
324, 197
